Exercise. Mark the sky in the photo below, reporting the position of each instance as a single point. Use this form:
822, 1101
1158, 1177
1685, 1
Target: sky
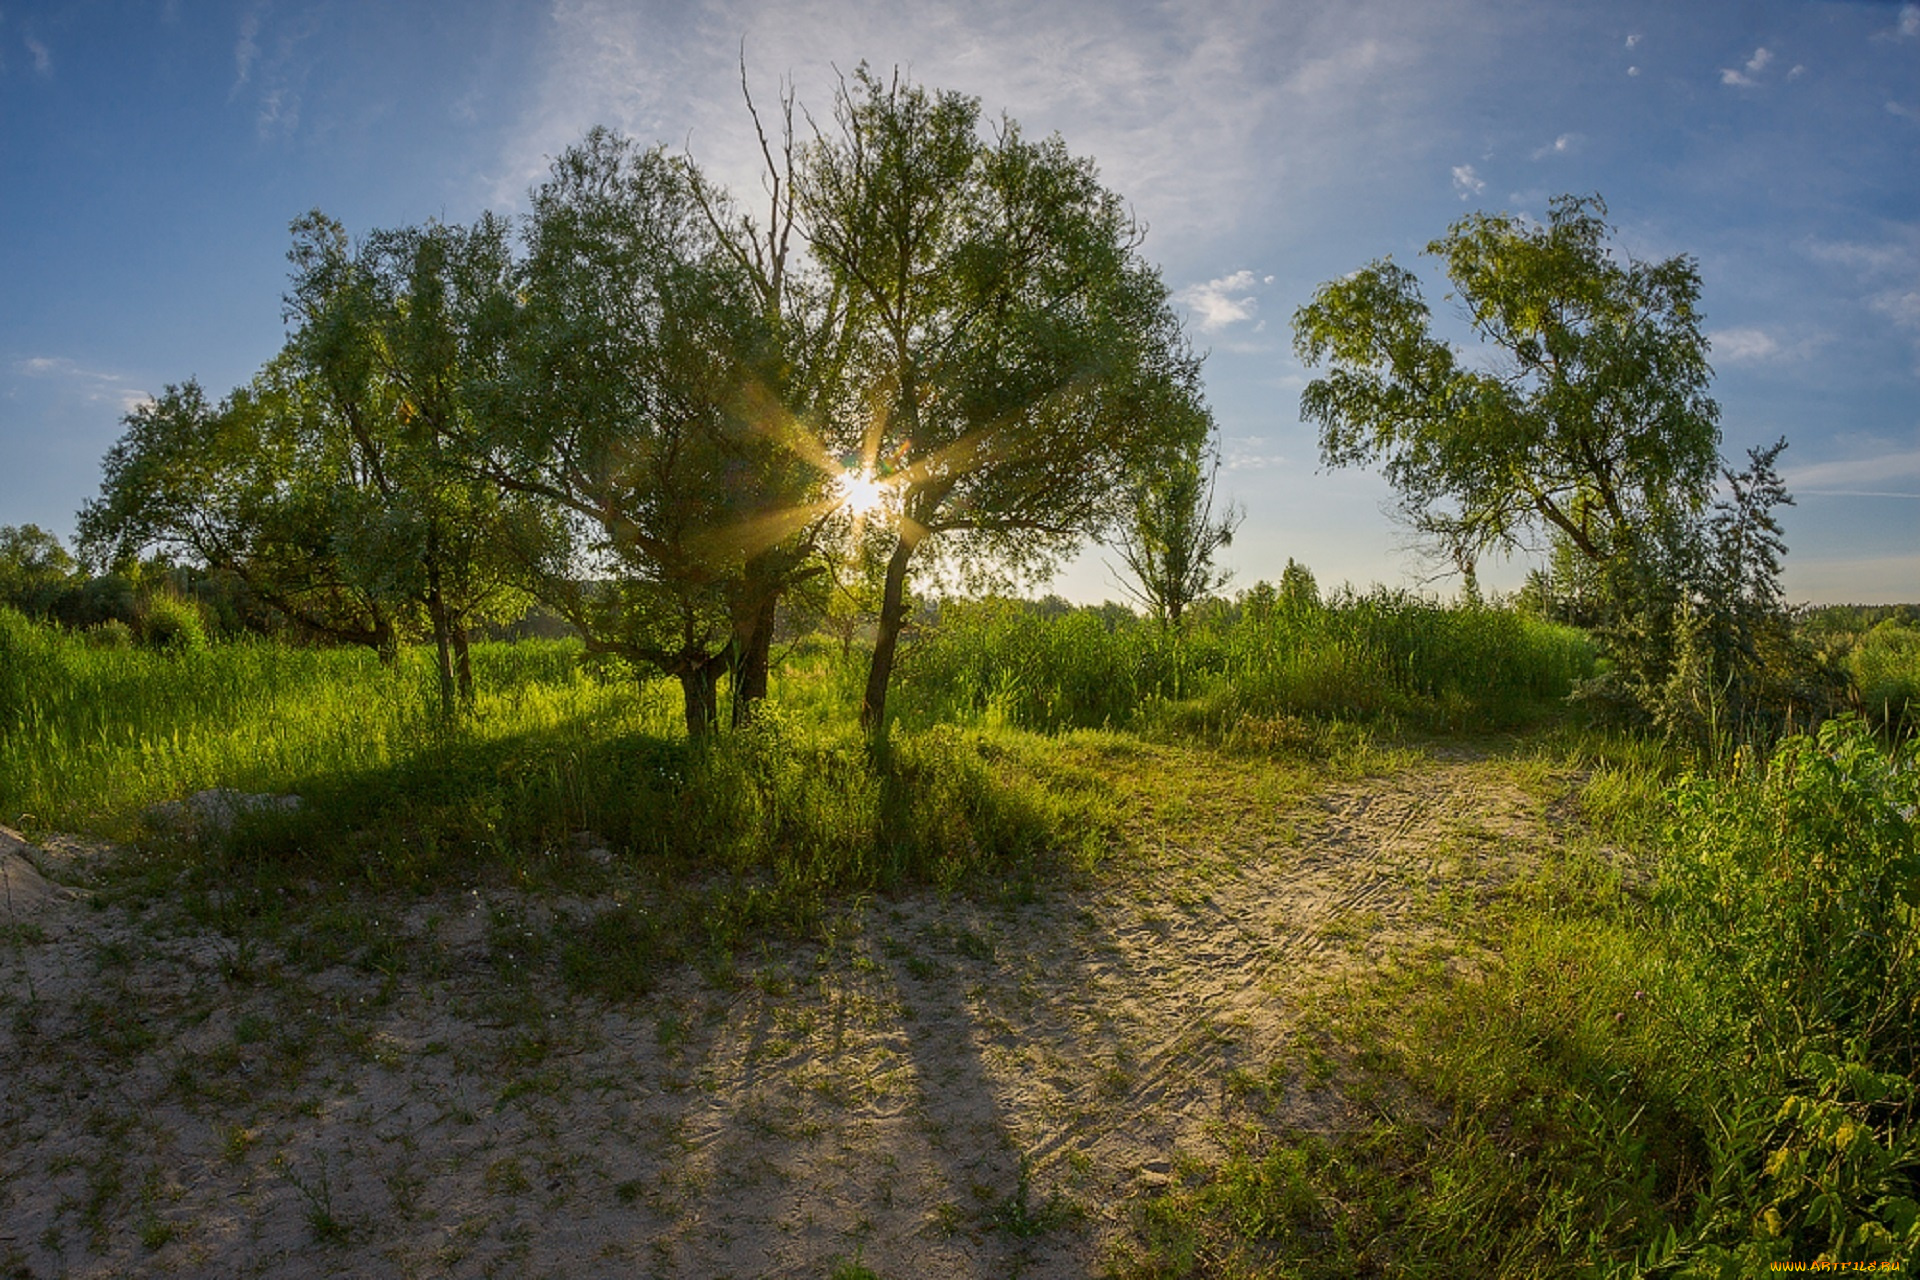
153, 154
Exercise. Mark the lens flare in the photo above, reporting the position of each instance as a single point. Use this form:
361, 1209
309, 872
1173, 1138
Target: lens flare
859, 492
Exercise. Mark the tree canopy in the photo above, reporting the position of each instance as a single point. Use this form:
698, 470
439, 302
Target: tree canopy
1586, 413
1017, 359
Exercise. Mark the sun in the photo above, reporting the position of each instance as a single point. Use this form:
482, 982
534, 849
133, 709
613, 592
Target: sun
859, 492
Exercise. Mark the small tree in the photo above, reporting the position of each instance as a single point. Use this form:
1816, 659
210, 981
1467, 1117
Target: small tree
1171, 537
1013, 360
1590, 426
34, 568
251, 487
636, 400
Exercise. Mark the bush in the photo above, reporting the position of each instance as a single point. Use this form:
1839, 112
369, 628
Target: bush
172, 622
1795, 887
1886, 675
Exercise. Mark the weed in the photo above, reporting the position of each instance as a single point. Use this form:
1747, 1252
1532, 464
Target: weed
316, 1194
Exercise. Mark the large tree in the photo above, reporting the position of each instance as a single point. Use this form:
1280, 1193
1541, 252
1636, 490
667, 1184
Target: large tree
1585, 415
1017, 362
638, 397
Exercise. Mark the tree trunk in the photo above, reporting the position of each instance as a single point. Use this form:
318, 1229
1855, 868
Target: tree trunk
463, 666
442, 643
437, 612
753, 651
893, 615
700, 688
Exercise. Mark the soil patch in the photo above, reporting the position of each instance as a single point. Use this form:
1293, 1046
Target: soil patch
944, 1088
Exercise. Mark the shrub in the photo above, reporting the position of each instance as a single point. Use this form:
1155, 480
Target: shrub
1795, 887
1886, 674
172, 622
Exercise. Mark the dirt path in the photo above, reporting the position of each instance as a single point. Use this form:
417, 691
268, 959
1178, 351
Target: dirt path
947, 1089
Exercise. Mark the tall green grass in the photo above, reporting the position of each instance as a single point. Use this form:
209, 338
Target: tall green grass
559, 757
91, 735
1386, 655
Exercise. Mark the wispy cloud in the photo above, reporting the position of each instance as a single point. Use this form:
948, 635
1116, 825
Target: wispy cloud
1466, 182
1743, 346
1197, 112
1905, 27
1891, 471
1226, 301
1889, 270
1633, 41
245, 50
42, 56
1750, 76
1250, 453
1564, 145
269, 64
95, 386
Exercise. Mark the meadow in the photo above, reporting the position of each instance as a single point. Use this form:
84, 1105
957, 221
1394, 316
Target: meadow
1654, 1021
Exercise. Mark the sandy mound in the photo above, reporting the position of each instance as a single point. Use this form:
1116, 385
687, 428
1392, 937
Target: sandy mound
24, 892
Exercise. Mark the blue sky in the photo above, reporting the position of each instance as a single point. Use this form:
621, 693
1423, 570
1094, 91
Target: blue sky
152, 155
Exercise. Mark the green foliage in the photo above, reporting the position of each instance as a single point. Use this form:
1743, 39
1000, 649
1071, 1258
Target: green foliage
1384, 655
1596, 426
173, 622
1885, 666
34, 568
1170, 541
1793, 887
1797, 882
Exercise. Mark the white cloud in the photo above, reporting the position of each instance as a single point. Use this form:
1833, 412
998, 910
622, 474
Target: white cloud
245, 50
42, 56
1633, 41
1467, 182
1633, 71
1894, 467
1248, 453
1754, 66
1219, 303
1197, 111
1743, 346
1758, 346
95, 386
1905, 27
1565, 144
1797, 72
1903, 111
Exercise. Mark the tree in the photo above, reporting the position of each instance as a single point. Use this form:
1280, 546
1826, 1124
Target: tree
34, 568
636, 397
251, 486
1591, 419
1171, 538
385, 337
1015, 359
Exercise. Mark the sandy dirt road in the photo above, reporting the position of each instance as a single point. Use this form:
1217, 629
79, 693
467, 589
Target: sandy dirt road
946, 1088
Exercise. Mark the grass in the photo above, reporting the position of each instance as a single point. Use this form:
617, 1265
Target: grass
1594, 1081
1699, 1076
